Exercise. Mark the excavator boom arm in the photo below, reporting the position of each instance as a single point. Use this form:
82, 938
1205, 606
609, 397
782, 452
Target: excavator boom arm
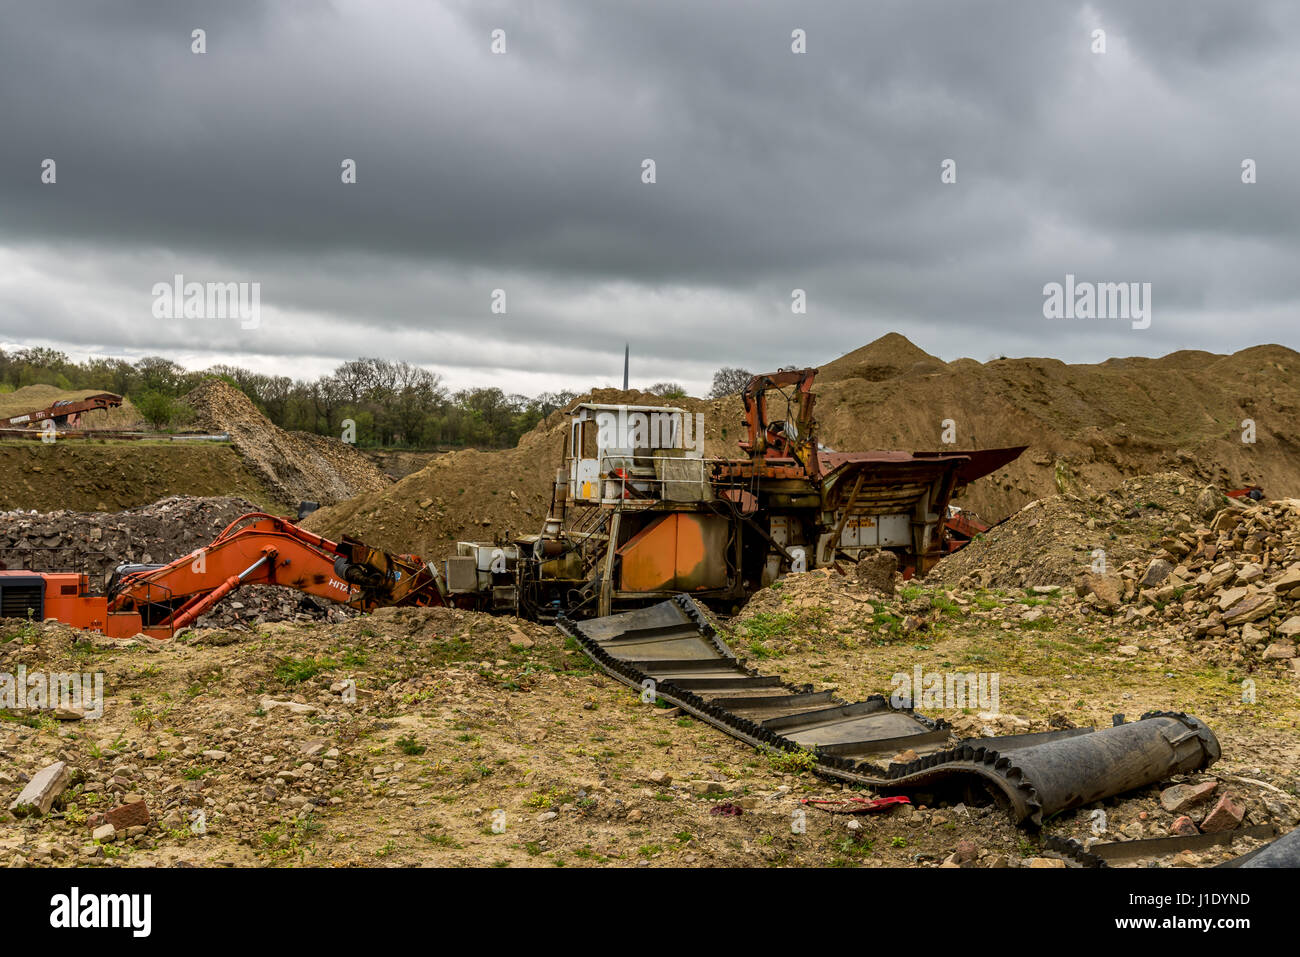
262, 549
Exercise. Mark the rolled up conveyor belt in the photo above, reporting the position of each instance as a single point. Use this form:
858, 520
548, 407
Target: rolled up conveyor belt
1034, 776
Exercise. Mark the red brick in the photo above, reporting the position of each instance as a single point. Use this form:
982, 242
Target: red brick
1225, 816
1180, 797
128, 815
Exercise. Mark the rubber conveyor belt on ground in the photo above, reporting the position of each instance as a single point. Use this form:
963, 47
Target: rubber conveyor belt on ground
1033, 776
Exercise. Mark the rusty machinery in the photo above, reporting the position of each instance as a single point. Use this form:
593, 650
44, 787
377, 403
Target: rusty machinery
255, 549
638, 514
64, 412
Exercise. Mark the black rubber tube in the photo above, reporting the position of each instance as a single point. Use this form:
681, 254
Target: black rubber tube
1071, 772
1284, 852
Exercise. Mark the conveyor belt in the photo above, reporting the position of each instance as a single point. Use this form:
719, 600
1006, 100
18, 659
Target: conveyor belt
672, 649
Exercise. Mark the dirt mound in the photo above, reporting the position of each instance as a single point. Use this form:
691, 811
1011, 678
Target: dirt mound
1054, 541
297, 466
399, 463
97, 542
1089, 425
104, 476
33, 398
889, 356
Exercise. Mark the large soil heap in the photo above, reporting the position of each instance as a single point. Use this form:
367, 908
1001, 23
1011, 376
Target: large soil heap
295, 465
1087, 427
1084, 424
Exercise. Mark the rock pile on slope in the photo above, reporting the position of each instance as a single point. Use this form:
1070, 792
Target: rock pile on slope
96, 542
1051, 541
1235, 579
296, 466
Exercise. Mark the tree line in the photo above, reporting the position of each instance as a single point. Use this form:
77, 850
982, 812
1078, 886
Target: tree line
392, 404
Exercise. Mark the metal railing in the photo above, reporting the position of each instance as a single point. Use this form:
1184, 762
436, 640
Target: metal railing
631, 480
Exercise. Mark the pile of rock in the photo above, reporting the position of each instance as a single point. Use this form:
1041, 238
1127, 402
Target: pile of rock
97, 542
1050, 540
296, 465
1236, 578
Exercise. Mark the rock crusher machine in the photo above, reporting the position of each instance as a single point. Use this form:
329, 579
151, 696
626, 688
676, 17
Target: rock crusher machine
639, 513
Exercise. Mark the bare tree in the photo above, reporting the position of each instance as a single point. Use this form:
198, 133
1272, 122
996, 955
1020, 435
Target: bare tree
727, 381
668, 390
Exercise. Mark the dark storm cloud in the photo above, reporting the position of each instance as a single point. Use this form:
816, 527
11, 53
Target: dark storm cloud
775, 171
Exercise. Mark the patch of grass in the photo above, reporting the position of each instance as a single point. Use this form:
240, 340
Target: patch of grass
853, 848
1045, 623
27, 630
442, 840
292, 671
792, 762
768, 625
892, 623
945, 606
408, 745
544, 800
40, 722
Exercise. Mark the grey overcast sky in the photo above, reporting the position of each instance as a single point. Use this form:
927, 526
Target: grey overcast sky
522, 171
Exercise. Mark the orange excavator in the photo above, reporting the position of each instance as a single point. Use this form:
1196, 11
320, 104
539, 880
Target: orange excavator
255, 549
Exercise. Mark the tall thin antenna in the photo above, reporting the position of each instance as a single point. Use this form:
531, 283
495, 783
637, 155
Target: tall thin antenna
627, 351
